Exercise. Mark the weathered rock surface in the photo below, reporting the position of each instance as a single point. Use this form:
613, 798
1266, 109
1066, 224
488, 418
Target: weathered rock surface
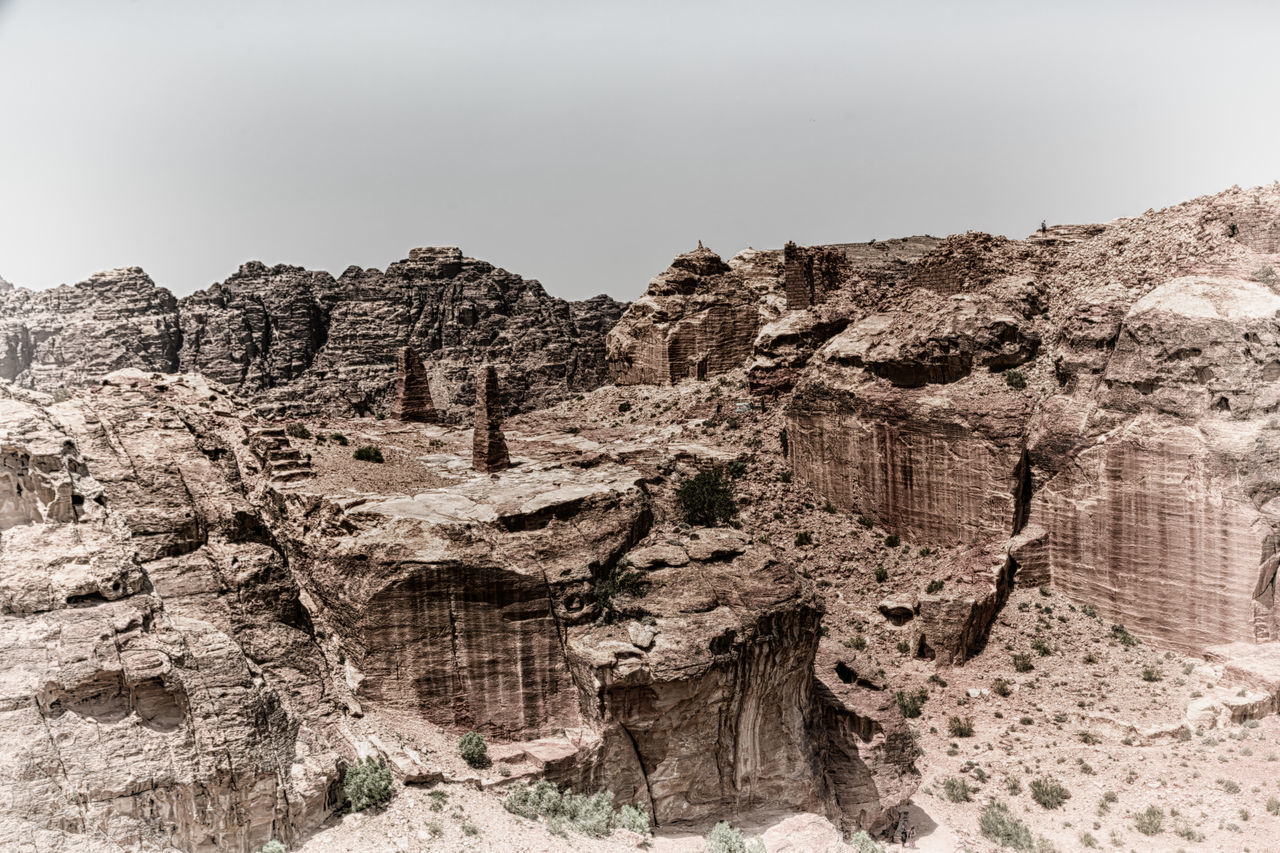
301, 341
1136, 468
488, 445
412, 401
161, 687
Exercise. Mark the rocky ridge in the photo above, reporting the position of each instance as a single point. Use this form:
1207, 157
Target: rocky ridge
301, 341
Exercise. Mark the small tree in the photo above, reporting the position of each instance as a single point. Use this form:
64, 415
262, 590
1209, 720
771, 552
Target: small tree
297, 429
706, 499
367, 783
474, 750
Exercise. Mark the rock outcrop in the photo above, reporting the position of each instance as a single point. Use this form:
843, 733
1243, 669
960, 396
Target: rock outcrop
300, 341
162, 689
488, 444
412, 401
1103, 395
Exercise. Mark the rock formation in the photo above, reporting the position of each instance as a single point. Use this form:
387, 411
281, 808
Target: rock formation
412, 400
1099, 394
162, 687
301, 341
489, 446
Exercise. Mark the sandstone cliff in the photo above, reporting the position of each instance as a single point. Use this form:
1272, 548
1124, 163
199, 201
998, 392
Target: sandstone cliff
296, 340
1104, 393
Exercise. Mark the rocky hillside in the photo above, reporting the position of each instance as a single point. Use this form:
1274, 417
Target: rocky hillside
302, 341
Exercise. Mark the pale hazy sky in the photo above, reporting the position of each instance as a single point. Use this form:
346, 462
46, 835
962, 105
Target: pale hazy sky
586, 143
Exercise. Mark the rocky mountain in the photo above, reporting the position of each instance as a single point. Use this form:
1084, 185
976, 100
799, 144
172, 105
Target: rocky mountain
295, 340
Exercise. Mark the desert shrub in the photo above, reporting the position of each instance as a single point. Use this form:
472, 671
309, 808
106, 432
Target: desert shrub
272, 846
863, 843
1015, 379
1022, 663
1266, 274
863, 521
1087, 840
956, 790
1090, 738
960, 726
1001, 687
1126, 639
723, 838
882, 574
633, 819
367, 783
470, 829
911, 701
1049, 793
707, 498
368, 453
297, 429
1150, 821
338, 438
1041, 647
1090, 658
938, 680
1229, 785
892, 541
904, 648
804, 537
618, 580
935, 585
624, 406
588, 814
998, 824
1273, 806
737, 468
782, 441
438, 799
1150, 673
859, 643
784, 477
473, 749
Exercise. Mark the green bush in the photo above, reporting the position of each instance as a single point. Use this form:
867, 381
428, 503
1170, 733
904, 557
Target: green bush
882, 574
618, 581
297, 430
1266, 274
1001, 687
338, 438
1041, 647
910, 702
804, 538
1126, 639
367, 783
474, 750
723, 838
863, 843
272, 846
998, 824
1022, 663
624, 406
707, 498
956, 789
368, 453
1049, 793
591, 815
935, 585
960, 726
1015, 379
1091, 738
1150, 821
892, 541
1150, 673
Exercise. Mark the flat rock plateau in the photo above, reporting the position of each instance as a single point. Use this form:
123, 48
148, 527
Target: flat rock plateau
992, 554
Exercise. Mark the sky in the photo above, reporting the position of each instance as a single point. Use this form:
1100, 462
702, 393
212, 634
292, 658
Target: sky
585, 144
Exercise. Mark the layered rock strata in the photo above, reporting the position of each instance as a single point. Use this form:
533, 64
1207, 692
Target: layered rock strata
301, 341
1102, 395
162, 689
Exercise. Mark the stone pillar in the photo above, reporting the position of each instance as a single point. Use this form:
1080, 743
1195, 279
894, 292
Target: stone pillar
413, 393
488, 445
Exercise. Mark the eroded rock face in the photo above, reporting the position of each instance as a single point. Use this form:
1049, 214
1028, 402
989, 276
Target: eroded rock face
412, 400
488, 445
301, 341
1092, 393
71, 335
161, 686
697, 319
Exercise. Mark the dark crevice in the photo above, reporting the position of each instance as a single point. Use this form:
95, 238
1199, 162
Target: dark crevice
1022, 491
